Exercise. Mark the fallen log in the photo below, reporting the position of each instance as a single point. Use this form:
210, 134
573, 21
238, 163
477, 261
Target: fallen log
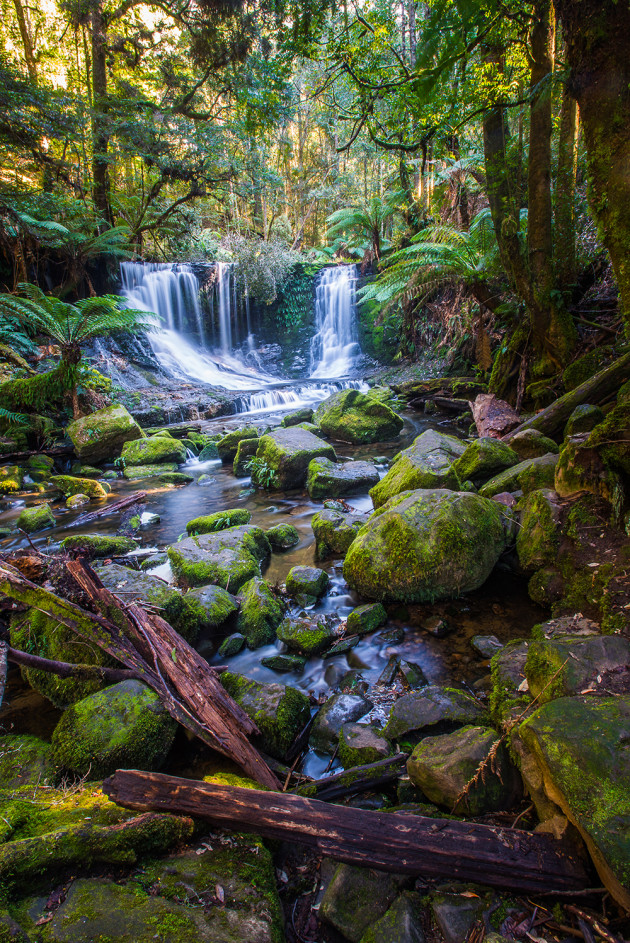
22, 456
136, 498
64, 669
464, 387
552, 420
435, 848
349, 782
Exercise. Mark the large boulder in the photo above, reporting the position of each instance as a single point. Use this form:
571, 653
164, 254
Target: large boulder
101, 435
229, 558
484, 458
69, 485
581, 747
227, 446
427, 463
565, 665
338, 710
335, 530
154, 451
35, 518
325, 479
261, 612
283, 457
350, 416
532, 473
581, 468
426, 545
279, 711
538, 538
124, 726
432, 709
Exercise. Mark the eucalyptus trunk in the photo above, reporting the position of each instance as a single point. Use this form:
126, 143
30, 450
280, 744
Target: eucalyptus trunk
565, 259
100, 134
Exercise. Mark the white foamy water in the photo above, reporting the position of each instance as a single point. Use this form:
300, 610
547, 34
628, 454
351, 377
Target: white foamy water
335, 347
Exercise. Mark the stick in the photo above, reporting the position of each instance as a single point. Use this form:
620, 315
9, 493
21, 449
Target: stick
358, 779
64, 669
111, 508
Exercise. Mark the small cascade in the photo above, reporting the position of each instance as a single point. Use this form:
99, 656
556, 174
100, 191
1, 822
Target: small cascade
224, 281
296, 397
334, 347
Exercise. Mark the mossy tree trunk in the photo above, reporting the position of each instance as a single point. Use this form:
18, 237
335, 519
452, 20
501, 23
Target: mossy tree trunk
100, 135
598, 53
565, 260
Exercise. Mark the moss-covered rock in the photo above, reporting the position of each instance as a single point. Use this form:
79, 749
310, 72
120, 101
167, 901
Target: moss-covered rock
25, 760
586, 366
444, 766
305, 636
611, 438
402, 923
510, 480
530, 443
175, 478
35, 518
40, 467
282, 537
540, 473
581, 468
580, 745
212, 605
124, 726
295, 418
360, 744
154, 451
232, 645
228, 444
566, 665
260, 613
350, 416
77, 501
338, 710
279, 711
366, 618
228, 558
538, 538
325, 479
11, 479
134, 472
307, 580
335, 530
102, 435
98, 545
357, 897
432, 707
584, 418
283, 457
284, 662
68, 485
245, 452
210, 523
209, 453
427, 463
509, 695
483, 459
426, 545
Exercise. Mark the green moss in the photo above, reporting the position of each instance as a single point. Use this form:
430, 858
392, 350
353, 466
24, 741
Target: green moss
227, 445
586, 366
11, 479
427, 463
279, 711
69, 485
99, 545
218, 521
228, 558
282, 537
260, 613
101, 435
611, 438
305, 637
351, 416
149, 471
154, 451
538, 538
335, 531
35, 518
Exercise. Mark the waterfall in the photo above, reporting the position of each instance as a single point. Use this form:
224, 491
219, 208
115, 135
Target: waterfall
334, 346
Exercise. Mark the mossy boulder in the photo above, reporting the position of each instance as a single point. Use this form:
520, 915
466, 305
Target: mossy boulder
245, 452
540, 473
232, 645
483, 459
402, 923
426, 545
338, 710
40, 467
279, 711
122, 727
284, 662
305, 636
40, 634
581, 468
586, 366
335, 531
282, 537
133, 472
510, 479
366, 618
69, 485
154, 451
509, 693
565, 665
286, 454
325, 479
25, 760
228, 444
538, 538
427, 463
175, 478
611, 438
228, 558
350, 416
35, 518
580, 745
296, 417
260, 614
360, 744
77, 501
209, 452
530, 443
98, 546
102, 435
11, 479
584, 418
219, 520
212, 605
307, 580
357, 897
444, 766
432, 709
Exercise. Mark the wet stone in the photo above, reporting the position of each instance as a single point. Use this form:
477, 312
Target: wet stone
308, 580
357, 897
284, 662
366, 618
432, 707
232, 645
344, 645
486, 645
337, 711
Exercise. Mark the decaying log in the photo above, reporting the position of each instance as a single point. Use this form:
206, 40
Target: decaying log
189, 689
464, 387
493, 417
22, 456
357, 779
64, 669
136, 498
399, 842
552, 420
3, 668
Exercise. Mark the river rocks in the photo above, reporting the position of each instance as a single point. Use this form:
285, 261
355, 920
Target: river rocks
134, 472
284, 662
403, 922
228, 444
102, 435
260, 614
297, 417
209, 452
11, 479
530, 443
307, 581
442, 766
538, 539
282, 537
229, 558
584, 418
366, 618
174, 478
426, 545
98, 545
486, 646
335, 531
283, 457
540, 473
68, 485
154, 451
245, 452
220, 520
325, 479
581, 468
211, 605
360, 744
580, 745
35, 518
77, 501
537, 473
338, 710
279, 711
484, 458
122, 727
305, 636
427, 463
509, 695
350, 416
25, 761
231, 645
39, 467
432, 707
357, 897
567, 665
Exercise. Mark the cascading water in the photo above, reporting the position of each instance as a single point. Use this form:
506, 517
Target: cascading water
334, 347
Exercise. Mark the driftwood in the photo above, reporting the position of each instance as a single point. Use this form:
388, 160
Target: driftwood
552, 420
64, 669
3, 668
435, 848
357, 779
493, 417
136, 498
189, 689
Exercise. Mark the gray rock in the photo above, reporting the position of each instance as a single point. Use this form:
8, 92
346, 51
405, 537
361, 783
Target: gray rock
455, 914
338, 710
305, 636
530, 443
245, 452
360, 744
284, 662
401, 924
486, 645
326, 479
357, 897
483, 459
432, 707
307, 580
584, 418
282, 537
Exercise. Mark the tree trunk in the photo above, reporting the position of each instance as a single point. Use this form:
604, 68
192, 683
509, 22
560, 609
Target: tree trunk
565, 261
598, 53
27, 41
100, 134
